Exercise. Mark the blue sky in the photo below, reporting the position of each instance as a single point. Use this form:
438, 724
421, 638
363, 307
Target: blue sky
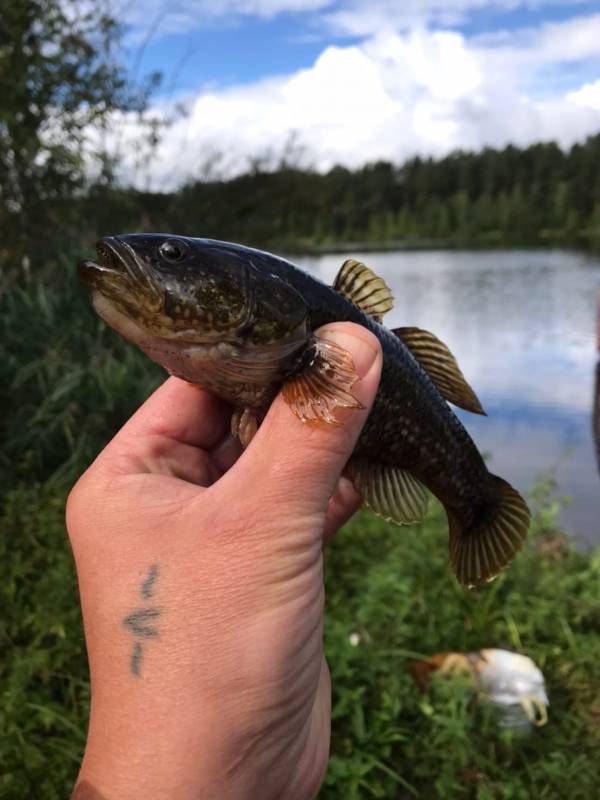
356, 80
224, 50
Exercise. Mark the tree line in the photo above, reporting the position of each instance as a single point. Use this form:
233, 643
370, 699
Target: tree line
63, 86
531, 195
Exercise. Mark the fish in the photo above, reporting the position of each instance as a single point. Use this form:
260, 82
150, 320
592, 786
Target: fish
242, 323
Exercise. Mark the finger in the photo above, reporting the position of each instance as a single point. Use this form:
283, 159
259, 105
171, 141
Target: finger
176, 412
184, 412
162, 456
297, 466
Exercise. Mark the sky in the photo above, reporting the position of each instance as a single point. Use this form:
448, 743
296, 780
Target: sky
353, 81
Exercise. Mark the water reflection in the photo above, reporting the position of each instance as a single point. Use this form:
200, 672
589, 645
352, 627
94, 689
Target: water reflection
596, 413
522, 327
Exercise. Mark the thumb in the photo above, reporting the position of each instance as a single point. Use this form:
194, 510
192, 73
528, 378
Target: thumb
296, 465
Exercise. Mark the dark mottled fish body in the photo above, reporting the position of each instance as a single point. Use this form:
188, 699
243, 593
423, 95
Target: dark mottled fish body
410, 425
258, 313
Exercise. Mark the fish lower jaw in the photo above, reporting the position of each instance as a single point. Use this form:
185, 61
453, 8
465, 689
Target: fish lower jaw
125, 326
161, 346
166, 350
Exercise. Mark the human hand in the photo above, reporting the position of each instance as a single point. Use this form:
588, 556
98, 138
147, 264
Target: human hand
200, 574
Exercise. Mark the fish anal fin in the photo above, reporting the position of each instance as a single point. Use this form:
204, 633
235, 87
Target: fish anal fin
324, 385
478, 553
389, 492
441, 366
359, 284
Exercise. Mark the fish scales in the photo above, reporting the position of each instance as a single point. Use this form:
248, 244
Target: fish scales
410, 424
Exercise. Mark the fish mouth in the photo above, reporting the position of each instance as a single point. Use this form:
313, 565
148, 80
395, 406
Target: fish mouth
117, 263
122, 290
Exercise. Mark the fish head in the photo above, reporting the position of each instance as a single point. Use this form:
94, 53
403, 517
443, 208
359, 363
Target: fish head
178, 297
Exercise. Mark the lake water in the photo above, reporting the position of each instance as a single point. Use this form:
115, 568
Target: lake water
522, 325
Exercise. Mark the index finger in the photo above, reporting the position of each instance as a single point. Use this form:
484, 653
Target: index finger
182, 412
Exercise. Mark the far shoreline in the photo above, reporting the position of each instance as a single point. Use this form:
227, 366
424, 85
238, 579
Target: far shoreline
304, 248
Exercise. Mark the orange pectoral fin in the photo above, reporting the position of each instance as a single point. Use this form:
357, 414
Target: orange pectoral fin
325, 385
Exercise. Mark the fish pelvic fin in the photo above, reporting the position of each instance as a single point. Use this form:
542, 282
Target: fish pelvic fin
479, 552
244, 424
389, 492
361, 286
441, 366
323, 385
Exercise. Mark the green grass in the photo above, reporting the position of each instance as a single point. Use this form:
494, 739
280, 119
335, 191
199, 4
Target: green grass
66, 384
392, 587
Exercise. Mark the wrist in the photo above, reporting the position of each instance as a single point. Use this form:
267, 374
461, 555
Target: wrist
133, 751
129, 756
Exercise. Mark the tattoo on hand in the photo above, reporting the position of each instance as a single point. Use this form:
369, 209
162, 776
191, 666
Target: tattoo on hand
147, 589
140, 621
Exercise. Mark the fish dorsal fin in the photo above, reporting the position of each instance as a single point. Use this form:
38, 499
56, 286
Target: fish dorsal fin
357, 283
441, 366
390, 492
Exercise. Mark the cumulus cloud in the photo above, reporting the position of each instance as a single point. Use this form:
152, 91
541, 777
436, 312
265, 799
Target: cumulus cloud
393, 95
587, 97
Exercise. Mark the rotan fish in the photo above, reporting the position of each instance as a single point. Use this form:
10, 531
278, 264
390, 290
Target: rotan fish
241, 323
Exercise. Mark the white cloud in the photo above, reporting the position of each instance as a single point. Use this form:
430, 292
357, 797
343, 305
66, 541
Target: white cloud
335, 106
392, 96
363, 17
161, 17
587, 97
552, 42
346, 17
359, 17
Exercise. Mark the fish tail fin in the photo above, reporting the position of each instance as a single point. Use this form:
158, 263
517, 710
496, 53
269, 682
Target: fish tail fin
478, 552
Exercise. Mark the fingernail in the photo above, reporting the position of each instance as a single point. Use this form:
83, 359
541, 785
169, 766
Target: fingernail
357, 341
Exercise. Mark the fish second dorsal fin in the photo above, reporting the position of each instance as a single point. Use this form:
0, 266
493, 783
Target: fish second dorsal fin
441, 366
391, 492
357, 283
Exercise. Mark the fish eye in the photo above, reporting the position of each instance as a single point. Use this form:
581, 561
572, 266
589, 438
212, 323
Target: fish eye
173, 250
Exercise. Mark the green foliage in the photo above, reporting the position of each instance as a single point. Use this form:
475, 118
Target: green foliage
66, 381
44, 688
58, 77
534, 195
66, 384
393, 589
